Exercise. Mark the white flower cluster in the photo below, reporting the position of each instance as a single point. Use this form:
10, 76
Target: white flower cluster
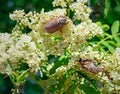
69, 37
86, 30
17, 15
24, 49
117, 54
111, 64
90, 54
115, 73
82, 1
80, 9
34, 47
82, 12
5, 43
61, 70
62, 3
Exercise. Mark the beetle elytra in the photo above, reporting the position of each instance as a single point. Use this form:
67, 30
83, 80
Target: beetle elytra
55, 24
90, 66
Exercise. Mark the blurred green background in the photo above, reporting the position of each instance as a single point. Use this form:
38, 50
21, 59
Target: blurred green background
8, 6
105, 11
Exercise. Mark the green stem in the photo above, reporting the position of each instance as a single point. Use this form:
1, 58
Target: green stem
107, 38
68, 10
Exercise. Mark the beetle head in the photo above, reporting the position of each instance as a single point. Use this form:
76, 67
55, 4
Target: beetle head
62, 20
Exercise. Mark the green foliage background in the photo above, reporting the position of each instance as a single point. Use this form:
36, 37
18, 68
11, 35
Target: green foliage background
8, 6
105, 11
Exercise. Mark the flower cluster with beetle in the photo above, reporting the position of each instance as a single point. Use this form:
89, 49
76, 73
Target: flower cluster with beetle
55, 33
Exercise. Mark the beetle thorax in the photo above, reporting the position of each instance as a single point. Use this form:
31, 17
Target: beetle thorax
62, 20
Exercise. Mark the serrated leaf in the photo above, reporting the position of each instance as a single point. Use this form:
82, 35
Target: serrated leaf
107, 7
115, 27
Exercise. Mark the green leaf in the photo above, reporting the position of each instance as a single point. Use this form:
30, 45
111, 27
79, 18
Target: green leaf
65, 79
110, 47
117, 39
105, 27
108, 35
62, 60
71, 89
107, 7
99, 23
115, 27
88, 89
102, 49
115, 30
48, 82
118, 3
77, 91
93, 42
111, 42
22, 77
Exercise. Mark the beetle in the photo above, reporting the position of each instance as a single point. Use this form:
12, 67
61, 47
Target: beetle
89, 66
55, 24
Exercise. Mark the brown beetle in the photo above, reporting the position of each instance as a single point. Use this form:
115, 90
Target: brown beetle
55, 24
90, 66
